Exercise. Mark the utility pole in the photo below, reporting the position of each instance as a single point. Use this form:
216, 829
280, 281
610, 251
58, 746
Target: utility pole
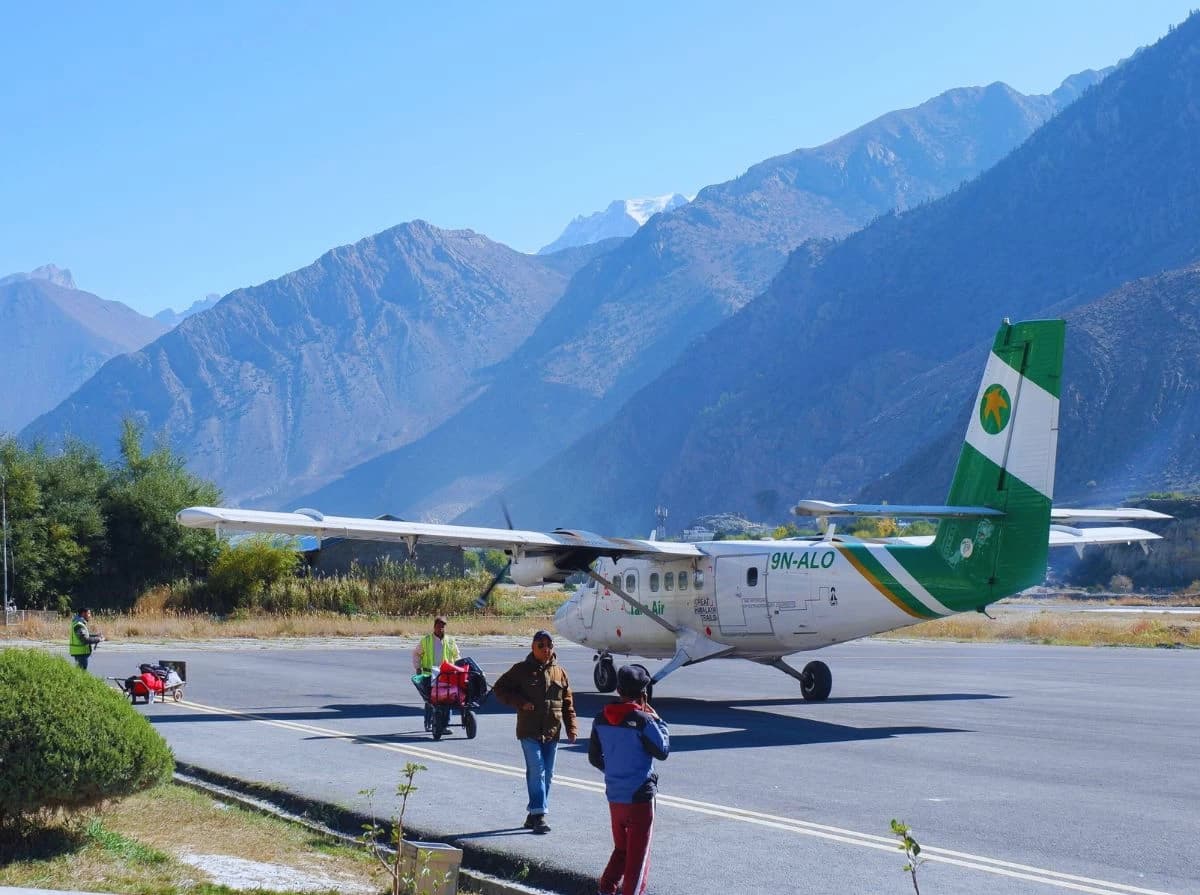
660, 513
8, 608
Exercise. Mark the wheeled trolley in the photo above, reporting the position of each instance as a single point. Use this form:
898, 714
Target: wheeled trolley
461, 687
160, 680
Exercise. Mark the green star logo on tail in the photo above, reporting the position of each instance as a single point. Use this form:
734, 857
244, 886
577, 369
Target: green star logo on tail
995, 409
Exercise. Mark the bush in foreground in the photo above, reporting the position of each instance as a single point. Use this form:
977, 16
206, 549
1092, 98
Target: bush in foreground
68, 741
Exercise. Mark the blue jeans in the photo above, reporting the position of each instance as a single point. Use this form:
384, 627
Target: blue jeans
539, 771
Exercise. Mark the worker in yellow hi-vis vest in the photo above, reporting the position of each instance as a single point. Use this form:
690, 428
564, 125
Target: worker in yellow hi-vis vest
427, 658
82, 640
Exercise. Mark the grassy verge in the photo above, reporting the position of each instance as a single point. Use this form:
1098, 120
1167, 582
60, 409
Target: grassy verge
1064, 628
176, 841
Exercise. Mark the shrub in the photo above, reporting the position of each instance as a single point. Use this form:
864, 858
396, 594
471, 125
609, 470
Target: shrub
67, 741
241, 575
1121, 584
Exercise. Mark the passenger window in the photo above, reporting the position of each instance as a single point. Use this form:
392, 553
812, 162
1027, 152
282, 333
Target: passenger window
669, 581
698, 580
752, 576
654, 582
631, 583
683, 580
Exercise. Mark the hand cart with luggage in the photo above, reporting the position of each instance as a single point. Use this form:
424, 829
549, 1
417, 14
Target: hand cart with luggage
460, 687
163, 680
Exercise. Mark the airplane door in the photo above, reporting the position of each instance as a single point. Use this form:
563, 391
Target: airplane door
741, 592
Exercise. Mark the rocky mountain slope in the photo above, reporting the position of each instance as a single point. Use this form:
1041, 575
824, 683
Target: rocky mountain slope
53, 337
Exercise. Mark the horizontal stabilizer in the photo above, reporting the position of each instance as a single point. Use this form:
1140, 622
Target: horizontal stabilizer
825, 508
1061, 536
1120, 514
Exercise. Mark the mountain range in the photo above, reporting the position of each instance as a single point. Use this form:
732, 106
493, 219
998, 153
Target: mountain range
420, 370
852, 374
635, 310
55, 337
369, 347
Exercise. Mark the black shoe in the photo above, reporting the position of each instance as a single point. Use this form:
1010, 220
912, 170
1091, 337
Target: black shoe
530, 821
540, 825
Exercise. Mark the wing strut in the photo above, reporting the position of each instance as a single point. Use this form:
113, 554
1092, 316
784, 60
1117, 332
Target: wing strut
640, 607
690, 645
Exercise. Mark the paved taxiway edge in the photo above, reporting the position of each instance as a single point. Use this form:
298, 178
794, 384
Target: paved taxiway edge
487, 870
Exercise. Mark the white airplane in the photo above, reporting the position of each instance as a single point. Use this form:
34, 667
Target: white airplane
763, 600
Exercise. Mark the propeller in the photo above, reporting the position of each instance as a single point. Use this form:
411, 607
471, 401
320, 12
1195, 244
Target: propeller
481, 600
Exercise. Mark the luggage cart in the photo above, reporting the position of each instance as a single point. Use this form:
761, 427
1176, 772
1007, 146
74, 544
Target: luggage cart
170, 676
462, 687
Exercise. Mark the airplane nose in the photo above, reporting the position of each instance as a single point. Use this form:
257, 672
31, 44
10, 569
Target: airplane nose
565, 619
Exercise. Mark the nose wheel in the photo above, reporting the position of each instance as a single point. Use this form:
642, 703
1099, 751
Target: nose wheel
604, 675
816, 680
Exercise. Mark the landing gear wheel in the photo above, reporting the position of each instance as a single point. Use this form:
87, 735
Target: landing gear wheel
469, 725
604, 675
441, 721
816, 680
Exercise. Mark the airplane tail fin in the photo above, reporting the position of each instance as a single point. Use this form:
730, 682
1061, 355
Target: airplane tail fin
1007, 463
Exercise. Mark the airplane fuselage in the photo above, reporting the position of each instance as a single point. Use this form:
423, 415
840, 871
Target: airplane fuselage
764, 598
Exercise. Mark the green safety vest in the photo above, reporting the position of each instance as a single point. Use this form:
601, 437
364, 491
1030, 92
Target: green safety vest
79, 646
449, 651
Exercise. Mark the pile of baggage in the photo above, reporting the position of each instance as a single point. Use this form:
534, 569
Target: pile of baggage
152, 681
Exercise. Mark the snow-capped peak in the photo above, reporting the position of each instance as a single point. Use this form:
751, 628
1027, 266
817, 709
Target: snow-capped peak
641, 210
622, 218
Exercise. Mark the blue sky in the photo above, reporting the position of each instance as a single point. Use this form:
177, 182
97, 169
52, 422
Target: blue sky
165, 151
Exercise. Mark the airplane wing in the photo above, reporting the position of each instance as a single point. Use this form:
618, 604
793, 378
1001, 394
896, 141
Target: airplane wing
579, 545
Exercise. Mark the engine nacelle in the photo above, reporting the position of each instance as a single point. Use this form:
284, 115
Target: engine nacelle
530, 570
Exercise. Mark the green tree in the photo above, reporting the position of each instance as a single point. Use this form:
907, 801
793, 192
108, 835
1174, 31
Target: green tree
146, 545
57, 532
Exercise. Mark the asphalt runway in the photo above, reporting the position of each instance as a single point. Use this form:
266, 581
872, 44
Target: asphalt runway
1020, 768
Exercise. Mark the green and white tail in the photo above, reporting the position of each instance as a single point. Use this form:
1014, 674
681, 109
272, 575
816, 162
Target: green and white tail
1007, 464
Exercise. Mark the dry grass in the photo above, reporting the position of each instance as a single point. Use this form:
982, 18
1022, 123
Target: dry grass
158, 827
516, 612
1063, 628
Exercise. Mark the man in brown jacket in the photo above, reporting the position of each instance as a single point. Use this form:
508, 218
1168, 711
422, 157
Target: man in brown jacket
540, 692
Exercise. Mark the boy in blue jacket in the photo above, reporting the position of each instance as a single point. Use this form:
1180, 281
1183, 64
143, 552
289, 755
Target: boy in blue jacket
626, 738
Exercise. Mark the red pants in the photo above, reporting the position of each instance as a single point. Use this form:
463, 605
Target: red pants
632, 826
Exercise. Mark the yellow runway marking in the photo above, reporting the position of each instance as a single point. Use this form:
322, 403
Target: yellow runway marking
758, 818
